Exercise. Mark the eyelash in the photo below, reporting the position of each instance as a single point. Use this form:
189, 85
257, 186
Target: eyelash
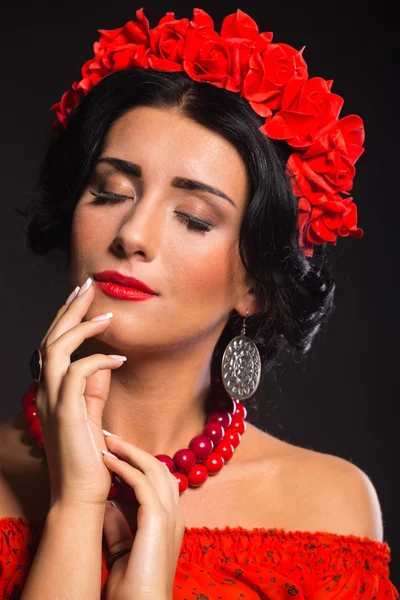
112, 198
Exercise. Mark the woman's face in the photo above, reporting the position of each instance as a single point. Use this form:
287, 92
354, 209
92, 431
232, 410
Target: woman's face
197, 274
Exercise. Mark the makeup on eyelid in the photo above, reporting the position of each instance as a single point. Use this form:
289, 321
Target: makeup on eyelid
192, 223
104, 179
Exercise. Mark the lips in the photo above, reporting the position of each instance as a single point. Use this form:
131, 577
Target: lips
123, 280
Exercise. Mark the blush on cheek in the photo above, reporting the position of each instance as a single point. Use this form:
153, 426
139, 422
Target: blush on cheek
211, 283
85, 230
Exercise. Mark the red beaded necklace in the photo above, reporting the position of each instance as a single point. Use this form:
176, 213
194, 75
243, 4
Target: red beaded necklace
206, 455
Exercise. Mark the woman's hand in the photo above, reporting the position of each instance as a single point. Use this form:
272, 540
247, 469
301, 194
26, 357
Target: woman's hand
147, 572
70, 400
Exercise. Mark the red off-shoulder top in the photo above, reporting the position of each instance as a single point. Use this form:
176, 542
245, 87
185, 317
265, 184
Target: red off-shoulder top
235, 563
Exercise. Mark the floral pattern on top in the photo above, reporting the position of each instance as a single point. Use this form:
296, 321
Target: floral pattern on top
235, 563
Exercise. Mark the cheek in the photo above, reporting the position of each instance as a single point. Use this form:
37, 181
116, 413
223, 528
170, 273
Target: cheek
205, 272
83, 243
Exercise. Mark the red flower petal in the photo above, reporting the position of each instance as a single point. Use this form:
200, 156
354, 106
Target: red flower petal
239, 25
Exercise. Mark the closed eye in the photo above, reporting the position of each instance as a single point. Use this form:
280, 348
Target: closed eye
192, 223
108, 197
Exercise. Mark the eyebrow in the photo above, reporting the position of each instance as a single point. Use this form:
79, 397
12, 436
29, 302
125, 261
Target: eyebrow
178, 182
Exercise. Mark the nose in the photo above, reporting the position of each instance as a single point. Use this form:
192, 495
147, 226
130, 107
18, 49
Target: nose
141, 228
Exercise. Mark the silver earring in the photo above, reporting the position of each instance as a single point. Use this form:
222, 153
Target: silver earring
241, 366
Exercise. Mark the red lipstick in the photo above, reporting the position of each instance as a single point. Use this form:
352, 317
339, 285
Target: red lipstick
122, 286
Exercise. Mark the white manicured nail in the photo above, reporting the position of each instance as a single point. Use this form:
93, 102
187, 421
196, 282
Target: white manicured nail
109, 453
106, 433
85, 286
101, 317
118, 357
72, 295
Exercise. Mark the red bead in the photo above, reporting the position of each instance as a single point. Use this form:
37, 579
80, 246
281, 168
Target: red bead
225, 449
214, 463
232, 436
214, 431
183, 481
40, 442
220, 417
34, 429
167, 460
241, 411
201, 445
30, 412
198, 475
184, 459
239, 425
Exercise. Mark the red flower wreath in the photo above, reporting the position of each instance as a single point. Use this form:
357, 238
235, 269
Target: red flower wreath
274, 80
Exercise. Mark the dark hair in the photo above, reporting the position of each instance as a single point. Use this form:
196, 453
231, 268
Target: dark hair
295, 292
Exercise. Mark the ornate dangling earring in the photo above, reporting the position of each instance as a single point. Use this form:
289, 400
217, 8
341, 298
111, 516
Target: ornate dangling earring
241, 366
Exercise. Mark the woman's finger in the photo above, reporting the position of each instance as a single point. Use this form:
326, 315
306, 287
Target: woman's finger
68, 316
58, 354
140, 470
73, 386
142, 486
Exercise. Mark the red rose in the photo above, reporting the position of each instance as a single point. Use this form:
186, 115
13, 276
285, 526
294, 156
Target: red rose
207, 57
117, 49
167, 42
123, 57
271, 67
69, 100
113, 58
201, 19
221, 60
326, 217
240, 26
92, 71
135, 32
306, 108
328, 165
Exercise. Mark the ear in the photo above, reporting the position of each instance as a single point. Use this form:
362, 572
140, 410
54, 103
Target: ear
249, 304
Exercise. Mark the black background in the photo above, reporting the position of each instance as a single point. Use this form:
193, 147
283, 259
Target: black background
340, 400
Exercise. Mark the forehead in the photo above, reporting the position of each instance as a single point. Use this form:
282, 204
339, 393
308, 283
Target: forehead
166, 144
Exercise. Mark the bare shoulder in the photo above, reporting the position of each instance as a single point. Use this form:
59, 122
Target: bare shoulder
345, 495
323, 492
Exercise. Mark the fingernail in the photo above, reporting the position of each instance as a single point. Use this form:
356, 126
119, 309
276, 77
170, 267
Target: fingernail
118, 357
111, 502
109, 453
72, 295
106, 433
101, 317
85, 286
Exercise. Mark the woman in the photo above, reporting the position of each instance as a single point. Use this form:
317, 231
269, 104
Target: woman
168, 193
